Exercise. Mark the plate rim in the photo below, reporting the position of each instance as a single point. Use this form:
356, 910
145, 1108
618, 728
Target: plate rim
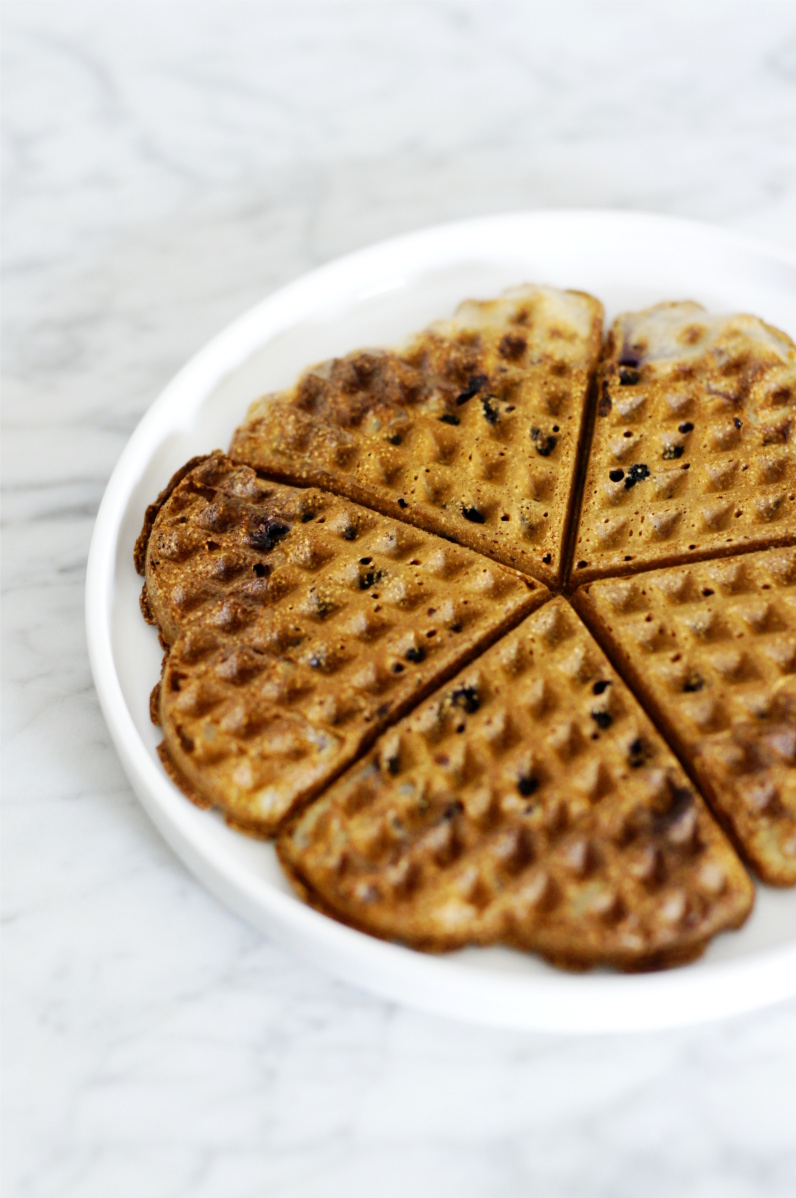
544, 1002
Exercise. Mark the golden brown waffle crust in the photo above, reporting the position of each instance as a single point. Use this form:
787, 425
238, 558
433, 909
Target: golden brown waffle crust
693, 454
573, 958
296, 627
151, 514
249, 571
472, 430
711, 650
491, 815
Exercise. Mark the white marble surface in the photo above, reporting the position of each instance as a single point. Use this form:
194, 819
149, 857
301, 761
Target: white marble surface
166, 165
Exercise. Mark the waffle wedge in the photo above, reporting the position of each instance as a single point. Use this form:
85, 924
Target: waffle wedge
711, 648
471, 430
694, 446
529, 801
297, 625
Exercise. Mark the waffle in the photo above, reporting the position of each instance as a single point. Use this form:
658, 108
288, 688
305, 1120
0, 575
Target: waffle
472, 430
530, 801
298, 625
711, 648
694, 446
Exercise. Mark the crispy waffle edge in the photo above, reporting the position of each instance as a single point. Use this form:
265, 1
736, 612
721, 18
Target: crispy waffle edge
142, 541
570, 961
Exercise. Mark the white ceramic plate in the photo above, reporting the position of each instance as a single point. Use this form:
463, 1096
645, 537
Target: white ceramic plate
375, 297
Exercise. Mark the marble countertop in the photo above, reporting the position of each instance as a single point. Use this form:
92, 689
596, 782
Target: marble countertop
166, 165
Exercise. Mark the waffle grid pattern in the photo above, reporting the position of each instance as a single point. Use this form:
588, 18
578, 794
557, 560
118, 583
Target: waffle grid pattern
472, 431
530, 801
694, 444
298, 625
712, 649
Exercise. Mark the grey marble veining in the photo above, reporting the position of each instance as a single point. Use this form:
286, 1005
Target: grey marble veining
166, 165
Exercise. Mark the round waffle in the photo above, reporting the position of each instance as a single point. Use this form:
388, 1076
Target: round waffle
536, 798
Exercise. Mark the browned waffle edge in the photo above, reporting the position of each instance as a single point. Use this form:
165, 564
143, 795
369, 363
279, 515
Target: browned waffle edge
150, 515
573, 963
